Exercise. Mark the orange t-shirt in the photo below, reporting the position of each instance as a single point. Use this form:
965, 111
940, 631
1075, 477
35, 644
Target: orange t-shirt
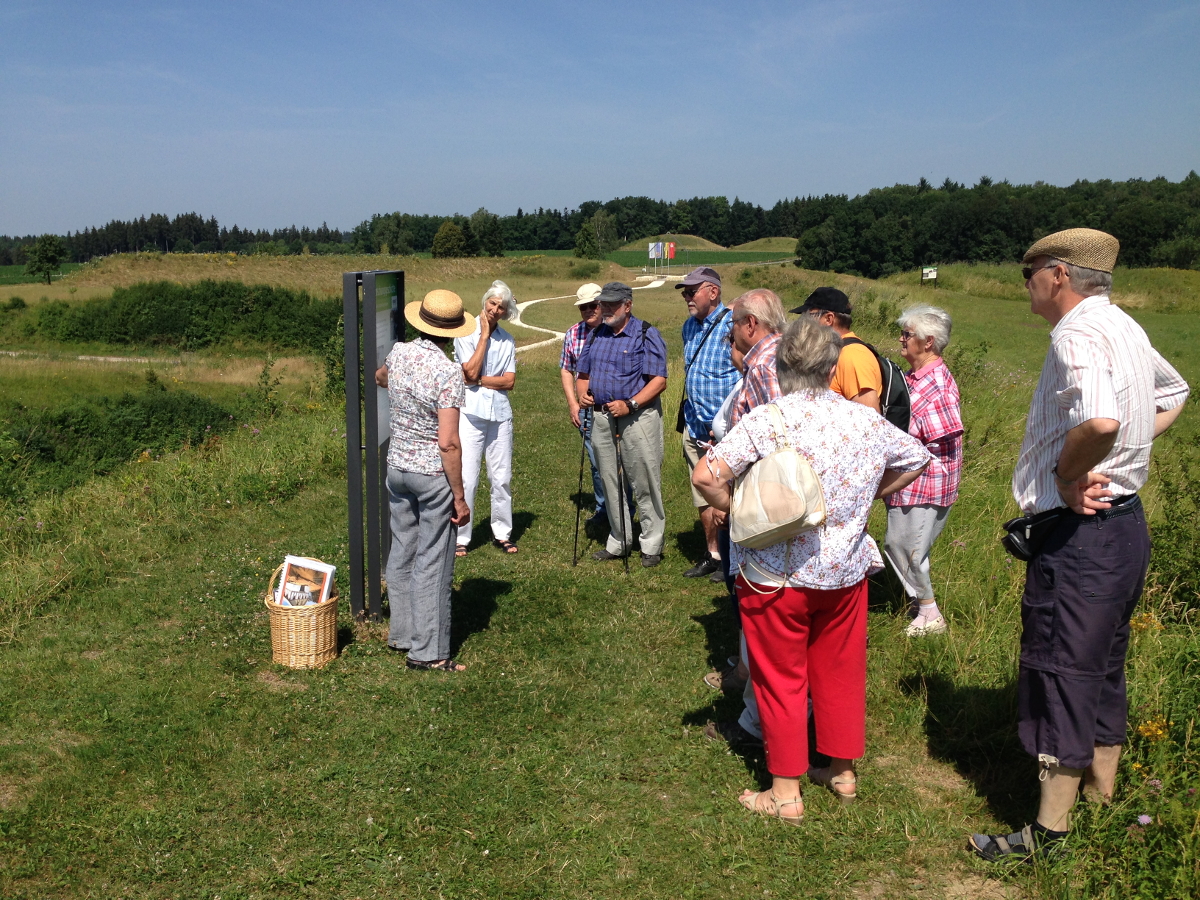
857, 371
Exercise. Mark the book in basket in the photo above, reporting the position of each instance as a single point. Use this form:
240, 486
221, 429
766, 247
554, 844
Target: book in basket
304, 582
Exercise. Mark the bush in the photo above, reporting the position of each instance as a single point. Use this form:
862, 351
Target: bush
583, 268
449, 242
52, 449
197, 315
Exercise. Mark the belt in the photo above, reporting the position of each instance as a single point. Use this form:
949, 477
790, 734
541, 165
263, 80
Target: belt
1122, 506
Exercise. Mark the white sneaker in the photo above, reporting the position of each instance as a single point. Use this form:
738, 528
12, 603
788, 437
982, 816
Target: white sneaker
922, 627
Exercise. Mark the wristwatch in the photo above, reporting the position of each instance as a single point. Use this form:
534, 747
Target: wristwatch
632, 404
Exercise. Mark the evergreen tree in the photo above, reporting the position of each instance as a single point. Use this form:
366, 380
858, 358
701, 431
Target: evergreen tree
449, 241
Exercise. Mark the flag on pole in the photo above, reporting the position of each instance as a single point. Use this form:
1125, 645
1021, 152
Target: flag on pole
671, 250
656, 250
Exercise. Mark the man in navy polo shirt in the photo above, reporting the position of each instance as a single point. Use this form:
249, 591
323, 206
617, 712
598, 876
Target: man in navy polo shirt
708, 376
620, 375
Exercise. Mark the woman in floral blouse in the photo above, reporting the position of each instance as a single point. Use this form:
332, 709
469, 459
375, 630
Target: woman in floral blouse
424, 479
804, 601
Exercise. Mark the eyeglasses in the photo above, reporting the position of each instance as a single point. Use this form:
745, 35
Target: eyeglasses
907, 335
588, 308
1027, 271
612, 304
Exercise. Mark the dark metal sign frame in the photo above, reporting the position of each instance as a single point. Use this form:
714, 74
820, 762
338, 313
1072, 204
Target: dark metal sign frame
372, 308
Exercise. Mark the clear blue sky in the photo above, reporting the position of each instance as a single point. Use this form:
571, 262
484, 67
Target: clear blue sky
271, 114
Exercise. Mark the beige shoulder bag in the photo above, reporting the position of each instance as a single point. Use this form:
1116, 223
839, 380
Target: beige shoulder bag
777, 498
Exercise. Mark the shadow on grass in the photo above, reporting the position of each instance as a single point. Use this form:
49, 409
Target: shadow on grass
975, 729
471, 608
885, 593
691, 543
481, 529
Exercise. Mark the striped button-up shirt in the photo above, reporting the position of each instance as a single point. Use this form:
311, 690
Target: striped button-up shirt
1100, 366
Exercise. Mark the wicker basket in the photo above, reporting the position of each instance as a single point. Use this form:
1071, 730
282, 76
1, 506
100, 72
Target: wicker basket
302, 637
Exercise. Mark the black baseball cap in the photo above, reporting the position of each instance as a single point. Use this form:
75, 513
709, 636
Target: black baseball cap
826, 299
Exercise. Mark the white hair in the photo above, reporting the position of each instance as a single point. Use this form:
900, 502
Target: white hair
1088, 282
927, 321
501, 290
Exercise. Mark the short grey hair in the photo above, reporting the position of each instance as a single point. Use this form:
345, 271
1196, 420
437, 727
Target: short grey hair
807, 353
925, 322
764, 305
501, 290
1088, 282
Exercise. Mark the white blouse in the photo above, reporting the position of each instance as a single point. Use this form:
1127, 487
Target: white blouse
501, 358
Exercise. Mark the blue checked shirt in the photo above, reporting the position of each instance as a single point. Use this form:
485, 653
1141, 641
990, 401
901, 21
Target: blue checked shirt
710, 372
617, 366
573, 342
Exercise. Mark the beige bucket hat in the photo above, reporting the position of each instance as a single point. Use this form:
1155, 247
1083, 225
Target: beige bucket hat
587, 293
440, 313
1085, 247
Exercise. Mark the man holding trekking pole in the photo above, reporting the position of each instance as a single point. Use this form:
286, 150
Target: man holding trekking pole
620, 374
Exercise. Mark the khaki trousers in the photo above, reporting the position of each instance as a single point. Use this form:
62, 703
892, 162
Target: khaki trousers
641, 435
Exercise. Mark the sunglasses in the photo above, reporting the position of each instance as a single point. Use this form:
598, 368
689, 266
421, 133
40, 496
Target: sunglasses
907, 335
1027, 271
588, 307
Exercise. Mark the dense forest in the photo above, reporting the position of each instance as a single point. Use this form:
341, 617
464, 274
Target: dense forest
874, 234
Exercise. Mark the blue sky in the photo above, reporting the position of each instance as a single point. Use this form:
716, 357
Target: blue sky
271, 114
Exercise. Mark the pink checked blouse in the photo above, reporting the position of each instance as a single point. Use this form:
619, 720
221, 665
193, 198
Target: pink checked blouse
421, 380
937, 423
849, 445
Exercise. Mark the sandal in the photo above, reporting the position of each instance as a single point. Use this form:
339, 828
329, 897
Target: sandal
507, 546
460, 551
832, 782
749, 799
1020, 846
434, 665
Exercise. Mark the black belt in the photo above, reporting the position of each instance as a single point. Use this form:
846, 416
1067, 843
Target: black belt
1122, 506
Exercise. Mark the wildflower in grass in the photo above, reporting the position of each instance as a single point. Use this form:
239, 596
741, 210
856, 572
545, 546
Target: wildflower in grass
1144, 820
1146, 621
1154, 730
1154, 784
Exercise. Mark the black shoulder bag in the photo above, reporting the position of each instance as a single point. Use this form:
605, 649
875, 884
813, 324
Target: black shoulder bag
680, 422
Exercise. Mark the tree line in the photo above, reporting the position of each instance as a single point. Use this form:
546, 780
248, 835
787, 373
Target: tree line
877, 233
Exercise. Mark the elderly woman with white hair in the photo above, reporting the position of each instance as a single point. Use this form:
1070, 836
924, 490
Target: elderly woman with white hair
804, 600
917, 514
489, 364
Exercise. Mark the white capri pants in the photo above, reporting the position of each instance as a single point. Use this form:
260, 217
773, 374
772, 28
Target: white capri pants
482, 438
911, 531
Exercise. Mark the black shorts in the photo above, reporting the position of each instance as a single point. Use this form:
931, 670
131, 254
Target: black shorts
1080, 592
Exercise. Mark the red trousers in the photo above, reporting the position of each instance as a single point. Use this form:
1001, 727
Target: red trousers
803, 640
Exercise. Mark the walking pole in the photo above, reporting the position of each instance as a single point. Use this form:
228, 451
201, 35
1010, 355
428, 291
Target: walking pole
579, 497
626, 543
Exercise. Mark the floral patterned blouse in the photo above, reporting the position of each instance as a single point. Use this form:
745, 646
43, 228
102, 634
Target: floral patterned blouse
849, 445
421, 380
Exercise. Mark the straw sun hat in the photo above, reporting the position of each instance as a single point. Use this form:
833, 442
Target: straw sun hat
1085, 247
440, 313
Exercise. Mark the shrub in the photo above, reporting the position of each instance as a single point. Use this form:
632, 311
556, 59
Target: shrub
197, 315
449, 241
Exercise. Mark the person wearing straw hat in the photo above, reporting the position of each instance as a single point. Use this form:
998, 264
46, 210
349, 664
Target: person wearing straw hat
424, 479
1103, 396
581, 416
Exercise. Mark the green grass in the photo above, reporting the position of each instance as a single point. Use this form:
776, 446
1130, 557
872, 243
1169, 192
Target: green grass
16, 274
148, 747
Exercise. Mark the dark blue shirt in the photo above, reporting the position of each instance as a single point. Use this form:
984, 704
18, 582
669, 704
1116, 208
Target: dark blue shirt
618, 365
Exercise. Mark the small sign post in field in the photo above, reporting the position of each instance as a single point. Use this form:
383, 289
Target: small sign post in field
929, 273
371, 304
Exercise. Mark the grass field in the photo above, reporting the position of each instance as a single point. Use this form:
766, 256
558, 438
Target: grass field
148, 747
16, 274
682, 241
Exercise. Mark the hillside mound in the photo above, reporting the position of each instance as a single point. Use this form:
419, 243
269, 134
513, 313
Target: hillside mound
688, 241
769, 245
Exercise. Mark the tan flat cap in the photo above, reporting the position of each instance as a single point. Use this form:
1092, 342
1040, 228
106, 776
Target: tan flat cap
1085, 247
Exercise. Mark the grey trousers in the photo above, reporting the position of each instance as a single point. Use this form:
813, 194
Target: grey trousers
642, 454
420, 566
911, 531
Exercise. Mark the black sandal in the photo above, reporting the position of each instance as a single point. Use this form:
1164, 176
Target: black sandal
1032, 840
433, 665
